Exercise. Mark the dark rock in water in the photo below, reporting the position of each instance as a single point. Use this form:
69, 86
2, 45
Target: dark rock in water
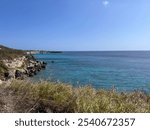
44, 63
43, 66
52, 61
32, 68
38, 69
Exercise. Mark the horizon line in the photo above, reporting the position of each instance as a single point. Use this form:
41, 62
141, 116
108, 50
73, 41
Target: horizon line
73, 50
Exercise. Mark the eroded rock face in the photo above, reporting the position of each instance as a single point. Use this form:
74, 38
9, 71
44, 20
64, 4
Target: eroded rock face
15, 63
22, 67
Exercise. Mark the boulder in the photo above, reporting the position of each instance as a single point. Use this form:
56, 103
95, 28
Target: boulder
18, 74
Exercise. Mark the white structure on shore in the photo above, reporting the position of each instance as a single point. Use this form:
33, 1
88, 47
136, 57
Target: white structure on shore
32, 52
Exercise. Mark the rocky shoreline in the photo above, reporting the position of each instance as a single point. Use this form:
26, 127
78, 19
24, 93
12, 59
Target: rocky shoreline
22, 67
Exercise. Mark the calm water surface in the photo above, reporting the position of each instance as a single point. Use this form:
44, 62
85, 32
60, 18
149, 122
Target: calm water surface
126, 70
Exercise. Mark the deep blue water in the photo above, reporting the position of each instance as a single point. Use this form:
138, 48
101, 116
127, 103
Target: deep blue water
126, 70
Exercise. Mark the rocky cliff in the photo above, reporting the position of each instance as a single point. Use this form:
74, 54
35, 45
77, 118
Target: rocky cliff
16, 64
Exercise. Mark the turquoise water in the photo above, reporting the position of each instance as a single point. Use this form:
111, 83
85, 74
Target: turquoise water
126, 70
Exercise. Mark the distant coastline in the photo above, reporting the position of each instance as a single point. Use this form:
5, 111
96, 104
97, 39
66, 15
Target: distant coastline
41, 52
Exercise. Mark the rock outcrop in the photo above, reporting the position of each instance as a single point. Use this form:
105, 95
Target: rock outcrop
22, 67
17, 64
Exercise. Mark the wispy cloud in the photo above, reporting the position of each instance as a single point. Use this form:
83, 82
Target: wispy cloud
105, 3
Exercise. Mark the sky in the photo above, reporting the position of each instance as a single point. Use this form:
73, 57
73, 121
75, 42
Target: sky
75, 25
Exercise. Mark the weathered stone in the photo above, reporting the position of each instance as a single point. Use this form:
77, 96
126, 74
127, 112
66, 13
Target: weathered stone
18, 74
22, 67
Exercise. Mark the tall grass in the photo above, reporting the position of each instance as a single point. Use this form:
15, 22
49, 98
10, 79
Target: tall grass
25, 96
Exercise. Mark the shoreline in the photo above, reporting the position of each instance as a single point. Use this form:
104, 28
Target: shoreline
19, 95
21, 67
19, 64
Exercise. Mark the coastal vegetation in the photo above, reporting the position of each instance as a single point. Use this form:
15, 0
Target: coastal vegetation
17, 95
3, 68
9, 53
26, 96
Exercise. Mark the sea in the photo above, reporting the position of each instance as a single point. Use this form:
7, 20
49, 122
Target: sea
123, 70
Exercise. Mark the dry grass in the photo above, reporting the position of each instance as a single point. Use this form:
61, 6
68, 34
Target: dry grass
9, 53
24, 96
3, 69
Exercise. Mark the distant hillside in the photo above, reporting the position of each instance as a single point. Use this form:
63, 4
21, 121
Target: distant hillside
9, 53
41, 52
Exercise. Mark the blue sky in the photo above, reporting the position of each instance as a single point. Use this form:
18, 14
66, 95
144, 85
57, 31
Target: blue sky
75, 24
